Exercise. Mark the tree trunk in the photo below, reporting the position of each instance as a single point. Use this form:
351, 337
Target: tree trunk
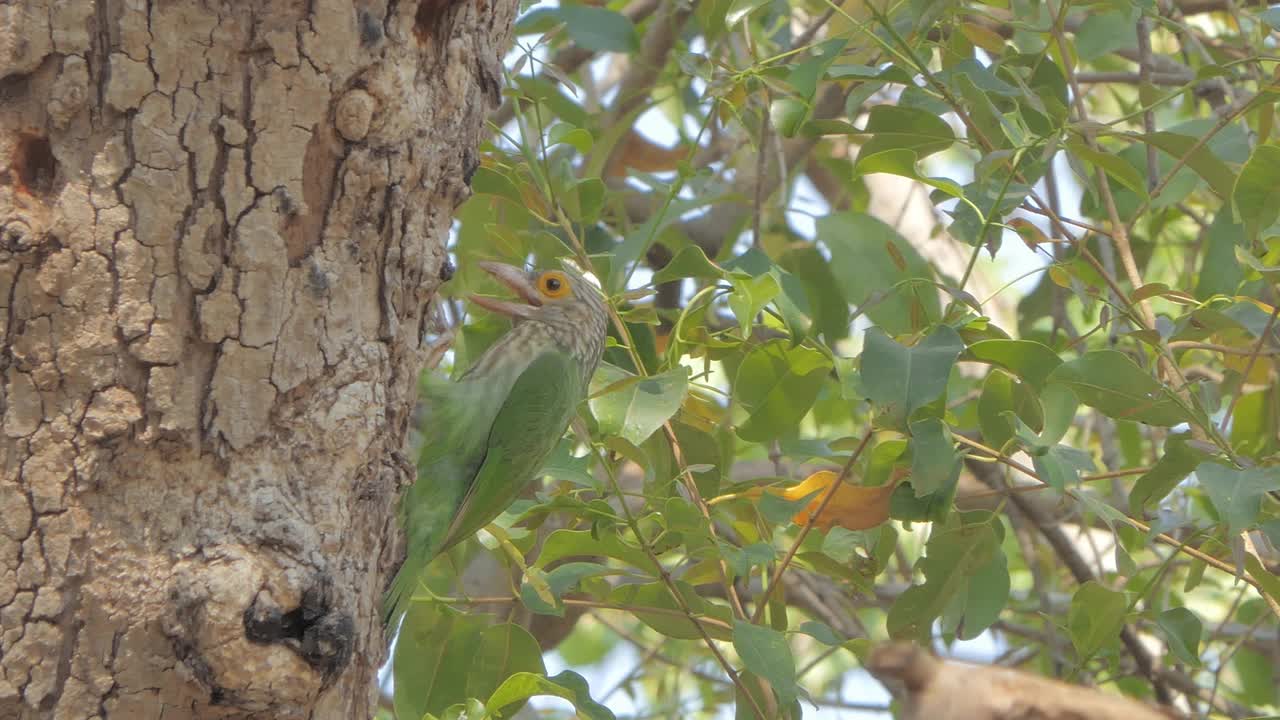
221, 225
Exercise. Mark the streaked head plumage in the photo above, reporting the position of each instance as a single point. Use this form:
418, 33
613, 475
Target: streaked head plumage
561, 301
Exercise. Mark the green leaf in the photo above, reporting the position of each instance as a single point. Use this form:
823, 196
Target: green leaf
585, 200
866, 271
576, 137
503, 650
764, 651
562, 465
569, 543
1003, 398
934, 461
895, 127
777, 385
987, 595
904, 505
1182, 629
537, 21
752, 692
1061, 465
805, 76
1105, 32
599, 29
821, 632
788, 115
690, 261
995, 401
486, 181
749, 296
1237, 494
827, 305
1096, 616
1113, 165
902, 162
1220, 272
840, 544
741, 560
902, 379
953, 556
741, 9
1175, 464
472, 707
559, 581
1059, 404
568, 685
635, 409
656, 595
1215, 172
1029, 360
982, 112
431, 663
778, 510
1110, 382
1256, 197
633, 247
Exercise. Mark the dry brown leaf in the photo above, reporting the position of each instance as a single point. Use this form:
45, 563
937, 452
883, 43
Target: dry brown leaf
661, 339
638, 153
854, 507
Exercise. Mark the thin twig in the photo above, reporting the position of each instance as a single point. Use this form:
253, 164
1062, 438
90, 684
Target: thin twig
1225, 349
691, 487
1160, 537
679, 598
1148, 115
1082, 573
808, 525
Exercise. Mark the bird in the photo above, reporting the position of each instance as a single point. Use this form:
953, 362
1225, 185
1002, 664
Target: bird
491, 430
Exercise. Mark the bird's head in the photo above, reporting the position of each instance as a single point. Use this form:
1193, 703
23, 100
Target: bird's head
562, 300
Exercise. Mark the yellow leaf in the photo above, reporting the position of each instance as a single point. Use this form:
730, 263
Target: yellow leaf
1031, 235
1260, 373
983, 37
853, 507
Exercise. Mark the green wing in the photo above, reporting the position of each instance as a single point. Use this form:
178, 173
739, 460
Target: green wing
526, 429
461, 416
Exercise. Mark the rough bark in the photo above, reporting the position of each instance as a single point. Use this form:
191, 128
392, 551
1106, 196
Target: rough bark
221, 225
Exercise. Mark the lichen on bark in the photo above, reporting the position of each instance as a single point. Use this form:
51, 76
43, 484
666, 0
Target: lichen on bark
221, 225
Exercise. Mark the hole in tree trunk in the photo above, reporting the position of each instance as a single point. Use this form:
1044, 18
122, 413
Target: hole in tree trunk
33, 167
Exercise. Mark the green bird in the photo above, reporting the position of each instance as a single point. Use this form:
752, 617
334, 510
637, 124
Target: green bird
491, 430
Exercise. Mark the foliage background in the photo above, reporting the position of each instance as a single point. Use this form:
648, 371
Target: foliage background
808, 272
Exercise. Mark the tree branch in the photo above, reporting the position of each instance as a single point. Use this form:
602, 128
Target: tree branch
1080, 570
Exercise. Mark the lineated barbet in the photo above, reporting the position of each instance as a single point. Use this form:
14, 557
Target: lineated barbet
491, 430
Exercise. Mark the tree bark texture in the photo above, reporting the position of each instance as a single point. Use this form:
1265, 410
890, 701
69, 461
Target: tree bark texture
221, 226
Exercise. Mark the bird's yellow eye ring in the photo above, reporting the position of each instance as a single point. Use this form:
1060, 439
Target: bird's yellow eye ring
553, 284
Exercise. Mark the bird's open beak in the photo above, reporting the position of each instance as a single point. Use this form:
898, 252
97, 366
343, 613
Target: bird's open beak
518, 281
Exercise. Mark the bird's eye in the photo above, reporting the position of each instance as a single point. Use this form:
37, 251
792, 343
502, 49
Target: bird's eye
553, 284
